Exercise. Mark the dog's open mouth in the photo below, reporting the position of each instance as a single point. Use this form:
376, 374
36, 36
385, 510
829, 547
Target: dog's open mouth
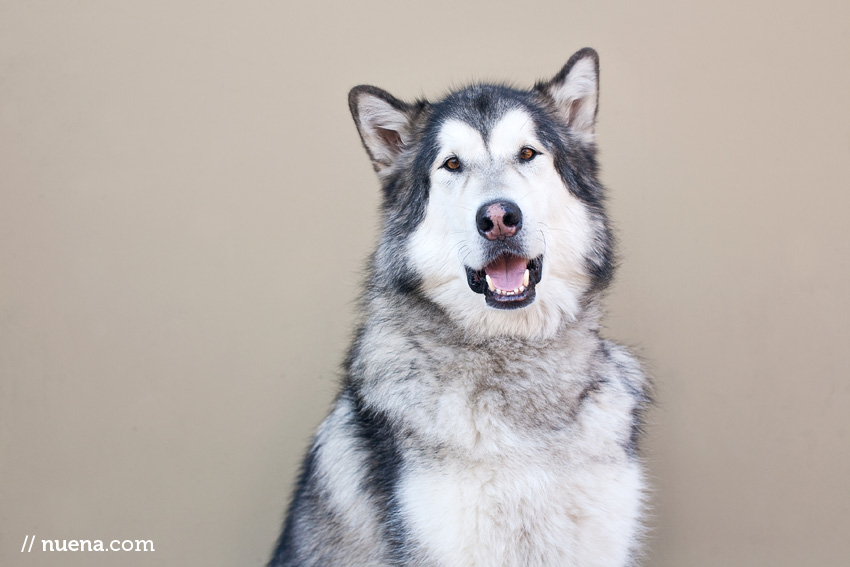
508, 282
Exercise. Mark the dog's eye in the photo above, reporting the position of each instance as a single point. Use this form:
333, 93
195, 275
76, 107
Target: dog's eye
527, 154
452, 163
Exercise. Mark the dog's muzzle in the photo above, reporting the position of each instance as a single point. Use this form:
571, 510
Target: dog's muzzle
508, 281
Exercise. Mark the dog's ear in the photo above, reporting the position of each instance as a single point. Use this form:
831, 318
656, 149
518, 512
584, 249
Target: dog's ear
575, 91
384, 123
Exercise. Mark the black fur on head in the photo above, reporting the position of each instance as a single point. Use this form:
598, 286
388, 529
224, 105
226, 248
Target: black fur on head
401, 141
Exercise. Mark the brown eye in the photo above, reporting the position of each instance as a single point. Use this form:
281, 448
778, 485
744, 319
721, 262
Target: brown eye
452, 163
526, 154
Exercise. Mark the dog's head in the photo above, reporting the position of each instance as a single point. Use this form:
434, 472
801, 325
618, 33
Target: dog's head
491, 205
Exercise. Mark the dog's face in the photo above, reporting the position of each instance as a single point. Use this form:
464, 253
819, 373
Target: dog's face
491, 205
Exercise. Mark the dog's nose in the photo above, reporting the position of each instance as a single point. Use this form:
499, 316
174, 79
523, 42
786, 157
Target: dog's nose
498, 220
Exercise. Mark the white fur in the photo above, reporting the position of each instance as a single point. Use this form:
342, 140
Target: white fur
342, 465
512, 442
498, 493
510, 496
576, 96
376, 114
503, 513
555, 224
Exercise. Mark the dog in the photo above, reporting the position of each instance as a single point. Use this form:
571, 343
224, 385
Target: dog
482, 419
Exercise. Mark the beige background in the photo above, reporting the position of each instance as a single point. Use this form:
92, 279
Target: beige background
185, 208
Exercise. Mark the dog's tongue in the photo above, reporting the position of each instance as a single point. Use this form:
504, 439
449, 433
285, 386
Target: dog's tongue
507, 271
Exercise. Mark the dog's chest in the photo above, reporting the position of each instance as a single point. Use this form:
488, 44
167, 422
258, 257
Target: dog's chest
485, 514
511, 488
518, 512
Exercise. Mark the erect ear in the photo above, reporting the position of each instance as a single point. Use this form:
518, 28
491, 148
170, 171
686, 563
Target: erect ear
575, 91
384, 123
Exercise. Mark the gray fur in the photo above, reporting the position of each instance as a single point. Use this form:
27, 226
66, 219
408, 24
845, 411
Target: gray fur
532, 433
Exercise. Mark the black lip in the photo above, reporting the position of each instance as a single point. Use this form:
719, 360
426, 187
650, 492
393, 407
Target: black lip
478, 284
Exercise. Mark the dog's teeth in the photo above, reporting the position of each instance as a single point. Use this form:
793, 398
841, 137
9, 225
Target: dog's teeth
507, 292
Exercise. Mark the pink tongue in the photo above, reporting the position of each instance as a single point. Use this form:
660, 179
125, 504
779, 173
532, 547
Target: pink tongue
506, 272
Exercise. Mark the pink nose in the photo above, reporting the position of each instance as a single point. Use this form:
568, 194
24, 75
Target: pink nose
498, 220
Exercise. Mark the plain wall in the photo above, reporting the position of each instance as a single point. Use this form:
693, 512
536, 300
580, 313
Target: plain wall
185, 210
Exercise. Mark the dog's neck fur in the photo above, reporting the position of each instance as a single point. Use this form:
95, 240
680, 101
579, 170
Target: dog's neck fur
523, 392
415, 315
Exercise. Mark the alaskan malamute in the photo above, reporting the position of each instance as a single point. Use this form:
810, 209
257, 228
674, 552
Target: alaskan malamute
482, 421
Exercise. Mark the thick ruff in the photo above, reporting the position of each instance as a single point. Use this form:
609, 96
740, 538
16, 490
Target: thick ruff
482, 420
